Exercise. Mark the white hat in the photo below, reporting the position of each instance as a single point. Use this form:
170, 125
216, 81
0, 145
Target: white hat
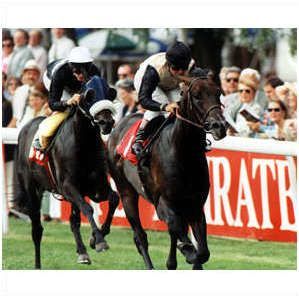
80, 55
31, 65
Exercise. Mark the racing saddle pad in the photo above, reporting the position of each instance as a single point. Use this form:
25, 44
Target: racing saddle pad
124, 148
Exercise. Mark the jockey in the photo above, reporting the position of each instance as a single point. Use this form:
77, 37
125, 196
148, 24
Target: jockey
66, 79
157, 84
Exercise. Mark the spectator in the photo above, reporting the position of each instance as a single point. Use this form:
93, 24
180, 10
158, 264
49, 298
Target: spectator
288, 94
20, 55
128, 97
31, 75
282, 128
232, 101
8, 149
232, 79
247, 88
61, 46
222, 77
37, 104
269, 88
125, 71
12, 83
7, 49
39, 52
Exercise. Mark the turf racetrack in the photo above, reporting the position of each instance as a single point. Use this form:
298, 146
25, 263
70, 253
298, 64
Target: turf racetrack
58, 251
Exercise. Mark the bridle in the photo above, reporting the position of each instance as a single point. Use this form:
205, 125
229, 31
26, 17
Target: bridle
202, 124
93, 121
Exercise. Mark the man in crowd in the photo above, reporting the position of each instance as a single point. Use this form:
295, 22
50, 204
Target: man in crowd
21, 54
31, 75
61, 45
125, 71
38, 51
269, 88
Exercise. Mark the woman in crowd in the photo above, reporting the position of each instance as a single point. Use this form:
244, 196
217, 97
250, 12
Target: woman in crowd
7, 49
288, 94
37, 104
12, 83
282, 128
247, 88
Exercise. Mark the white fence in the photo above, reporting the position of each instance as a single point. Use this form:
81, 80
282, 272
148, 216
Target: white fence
265, 146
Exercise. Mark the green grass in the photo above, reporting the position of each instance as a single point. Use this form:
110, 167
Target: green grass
58, 251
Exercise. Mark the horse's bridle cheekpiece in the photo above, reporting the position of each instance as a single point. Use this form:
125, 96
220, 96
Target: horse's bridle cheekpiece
202, 124
96, 108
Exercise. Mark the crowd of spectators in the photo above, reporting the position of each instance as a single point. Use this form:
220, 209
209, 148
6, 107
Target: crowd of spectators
258, 108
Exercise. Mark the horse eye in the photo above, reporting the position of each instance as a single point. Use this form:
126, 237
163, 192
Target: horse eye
100, 122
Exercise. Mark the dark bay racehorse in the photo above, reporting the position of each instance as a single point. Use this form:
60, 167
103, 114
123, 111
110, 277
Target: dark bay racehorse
78, 161
177, 181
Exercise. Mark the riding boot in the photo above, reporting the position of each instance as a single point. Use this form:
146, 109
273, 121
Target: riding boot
37, 145
137, 146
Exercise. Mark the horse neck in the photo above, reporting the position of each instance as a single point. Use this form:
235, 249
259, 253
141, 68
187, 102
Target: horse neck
83, 129
188, 139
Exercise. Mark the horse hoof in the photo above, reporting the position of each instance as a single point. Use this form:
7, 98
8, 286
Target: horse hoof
102, 246
197, 266
92, 243
84, 259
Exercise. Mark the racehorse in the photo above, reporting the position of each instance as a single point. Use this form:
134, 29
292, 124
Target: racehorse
78, 165
176, 179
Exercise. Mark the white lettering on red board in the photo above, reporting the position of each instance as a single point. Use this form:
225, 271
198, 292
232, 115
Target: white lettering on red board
245, 198
263, 164
285, 195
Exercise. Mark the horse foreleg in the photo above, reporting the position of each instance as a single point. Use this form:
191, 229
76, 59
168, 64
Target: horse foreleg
36, 232
130, 204
73, 195
113, 199
178, 228
199, 230
75, 222
172, 261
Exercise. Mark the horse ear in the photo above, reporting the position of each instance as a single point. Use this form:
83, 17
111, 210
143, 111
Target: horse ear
111, 94
88, 96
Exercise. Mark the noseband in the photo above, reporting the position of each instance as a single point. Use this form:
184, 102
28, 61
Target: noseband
202, 123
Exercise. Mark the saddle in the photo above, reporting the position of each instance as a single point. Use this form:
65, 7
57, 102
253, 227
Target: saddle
152, 131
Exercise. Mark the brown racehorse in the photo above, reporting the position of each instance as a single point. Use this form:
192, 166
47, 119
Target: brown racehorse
176, 179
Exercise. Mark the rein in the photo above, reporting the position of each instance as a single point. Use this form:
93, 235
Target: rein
87, 115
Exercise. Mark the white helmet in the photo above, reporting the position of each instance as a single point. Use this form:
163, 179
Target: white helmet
80, 55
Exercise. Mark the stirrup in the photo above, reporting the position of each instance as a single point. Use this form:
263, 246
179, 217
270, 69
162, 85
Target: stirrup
37, 146
137, 148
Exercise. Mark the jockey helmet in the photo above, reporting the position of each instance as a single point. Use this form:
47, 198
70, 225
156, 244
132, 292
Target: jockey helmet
178, 55
80, 55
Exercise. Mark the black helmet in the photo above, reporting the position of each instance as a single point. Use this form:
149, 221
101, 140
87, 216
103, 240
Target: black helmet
178, 55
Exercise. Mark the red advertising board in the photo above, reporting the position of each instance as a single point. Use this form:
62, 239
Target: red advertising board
251, 196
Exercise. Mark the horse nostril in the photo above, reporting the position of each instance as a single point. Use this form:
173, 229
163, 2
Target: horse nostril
215, 125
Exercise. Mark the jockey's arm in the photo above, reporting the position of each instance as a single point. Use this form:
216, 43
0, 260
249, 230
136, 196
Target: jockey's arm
56, 91
149, 83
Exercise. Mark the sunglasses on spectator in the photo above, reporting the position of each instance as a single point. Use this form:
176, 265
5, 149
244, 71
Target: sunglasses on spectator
244, 90
228, 80
274, 109
7, 45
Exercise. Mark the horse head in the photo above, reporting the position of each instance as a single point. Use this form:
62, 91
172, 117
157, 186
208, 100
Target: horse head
201, 104
100, 112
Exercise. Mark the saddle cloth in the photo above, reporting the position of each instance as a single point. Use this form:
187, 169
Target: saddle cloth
124, 147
